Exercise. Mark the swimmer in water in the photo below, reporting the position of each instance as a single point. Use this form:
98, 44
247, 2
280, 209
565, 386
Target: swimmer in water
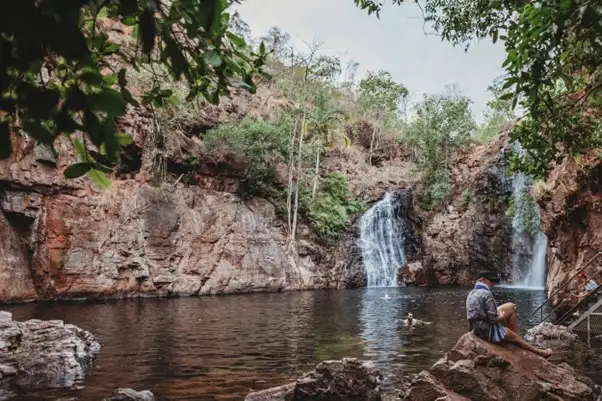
386, 296
410, 321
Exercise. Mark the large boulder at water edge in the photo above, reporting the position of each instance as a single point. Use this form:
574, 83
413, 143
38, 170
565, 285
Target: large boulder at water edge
344, 380
127, 394
478, 370
548, 333
44, 353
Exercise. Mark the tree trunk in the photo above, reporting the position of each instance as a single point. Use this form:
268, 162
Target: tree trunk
372, 144
289, 189
299, 179
316, 176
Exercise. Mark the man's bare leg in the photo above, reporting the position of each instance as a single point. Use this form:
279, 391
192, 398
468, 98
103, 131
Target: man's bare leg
514, 338
509, 311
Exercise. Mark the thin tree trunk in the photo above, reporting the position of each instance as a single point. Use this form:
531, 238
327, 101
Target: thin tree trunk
289, 189
299, 178
372, 144
316, 176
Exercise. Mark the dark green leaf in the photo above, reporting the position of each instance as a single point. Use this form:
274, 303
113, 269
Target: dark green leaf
77, 170
5, 144
124, 139
38, 131
92, 78
129, 98
99, 178
122, 78
110, 101
148, 30
213, 58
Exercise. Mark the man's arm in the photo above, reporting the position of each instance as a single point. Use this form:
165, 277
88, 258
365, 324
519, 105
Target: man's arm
491, 309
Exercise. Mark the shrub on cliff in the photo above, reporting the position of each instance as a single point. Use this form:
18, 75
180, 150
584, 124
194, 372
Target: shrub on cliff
251, 147
329, 212
443, 124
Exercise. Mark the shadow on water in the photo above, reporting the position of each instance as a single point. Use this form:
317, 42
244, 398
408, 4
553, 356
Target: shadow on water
220, 348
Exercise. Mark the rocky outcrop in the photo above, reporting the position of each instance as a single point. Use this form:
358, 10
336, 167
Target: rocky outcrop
127, 394
344, 380
571, 217
473, 231
44, 353
137, 239
480, 371
64, 239
546, 332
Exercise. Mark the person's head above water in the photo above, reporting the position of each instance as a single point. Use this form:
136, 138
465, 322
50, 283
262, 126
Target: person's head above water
488, 277
409, 316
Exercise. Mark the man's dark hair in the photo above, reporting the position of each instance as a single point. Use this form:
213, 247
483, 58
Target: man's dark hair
490, 275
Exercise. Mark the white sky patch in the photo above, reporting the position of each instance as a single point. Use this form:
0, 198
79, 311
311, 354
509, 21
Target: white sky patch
396, 42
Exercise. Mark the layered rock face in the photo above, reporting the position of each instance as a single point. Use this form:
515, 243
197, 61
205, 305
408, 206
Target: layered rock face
44, 353
571, 214
474, 231
480, 371
63, 239
344, 380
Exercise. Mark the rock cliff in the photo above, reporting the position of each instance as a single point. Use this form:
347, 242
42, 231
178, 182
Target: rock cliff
473, 231
63, 239
571, 215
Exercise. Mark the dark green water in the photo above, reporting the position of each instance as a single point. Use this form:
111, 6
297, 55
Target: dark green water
220, 348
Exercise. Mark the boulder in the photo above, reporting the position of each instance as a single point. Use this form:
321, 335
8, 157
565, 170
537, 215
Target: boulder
344, 380
478, 370
44, 353
548, 332
127, 394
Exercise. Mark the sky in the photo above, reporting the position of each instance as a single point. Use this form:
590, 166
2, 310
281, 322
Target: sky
396, 42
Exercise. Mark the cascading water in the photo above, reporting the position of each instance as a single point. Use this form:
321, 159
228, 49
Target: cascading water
529, 244
382, 239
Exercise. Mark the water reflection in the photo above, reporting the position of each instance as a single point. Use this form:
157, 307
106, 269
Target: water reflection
219, 348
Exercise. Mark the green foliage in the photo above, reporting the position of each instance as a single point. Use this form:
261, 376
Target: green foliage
380, 96
499, 110
251, 146
467, 197
524, 213
51, 79
546, 42
329, 212
442, 125
324, 117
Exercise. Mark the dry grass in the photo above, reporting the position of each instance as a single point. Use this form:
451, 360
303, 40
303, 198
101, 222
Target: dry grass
541, 190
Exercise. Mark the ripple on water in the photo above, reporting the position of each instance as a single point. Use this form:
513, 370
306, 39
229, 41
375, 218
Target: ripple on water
220, 348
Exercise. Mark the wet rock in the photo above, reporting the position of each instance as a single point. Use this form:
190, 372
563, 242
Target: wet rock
474, 231
548, 332
571, 216
344, 380
127, 394
44, 353
478, 370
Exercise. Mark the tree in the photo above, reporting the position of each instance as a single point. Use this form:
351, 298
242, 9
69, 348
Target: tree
379, 98
52, 79
443, 124
322, 119
499, 110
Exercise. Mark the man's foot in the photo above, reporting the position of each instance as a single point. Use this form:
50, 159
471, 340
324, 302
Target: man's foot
546, 353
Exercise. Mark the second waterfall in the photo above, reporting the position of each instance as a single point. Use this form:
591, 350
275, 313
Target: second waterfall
382, 239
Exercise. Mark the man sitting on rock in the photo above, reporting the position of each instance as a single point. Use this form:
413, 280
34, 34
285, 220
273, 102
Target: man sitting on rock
490, 322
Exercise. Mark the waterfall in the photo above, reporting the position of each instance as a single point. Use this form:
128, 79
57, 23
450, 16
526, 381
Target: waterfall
529, 244
382, 239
